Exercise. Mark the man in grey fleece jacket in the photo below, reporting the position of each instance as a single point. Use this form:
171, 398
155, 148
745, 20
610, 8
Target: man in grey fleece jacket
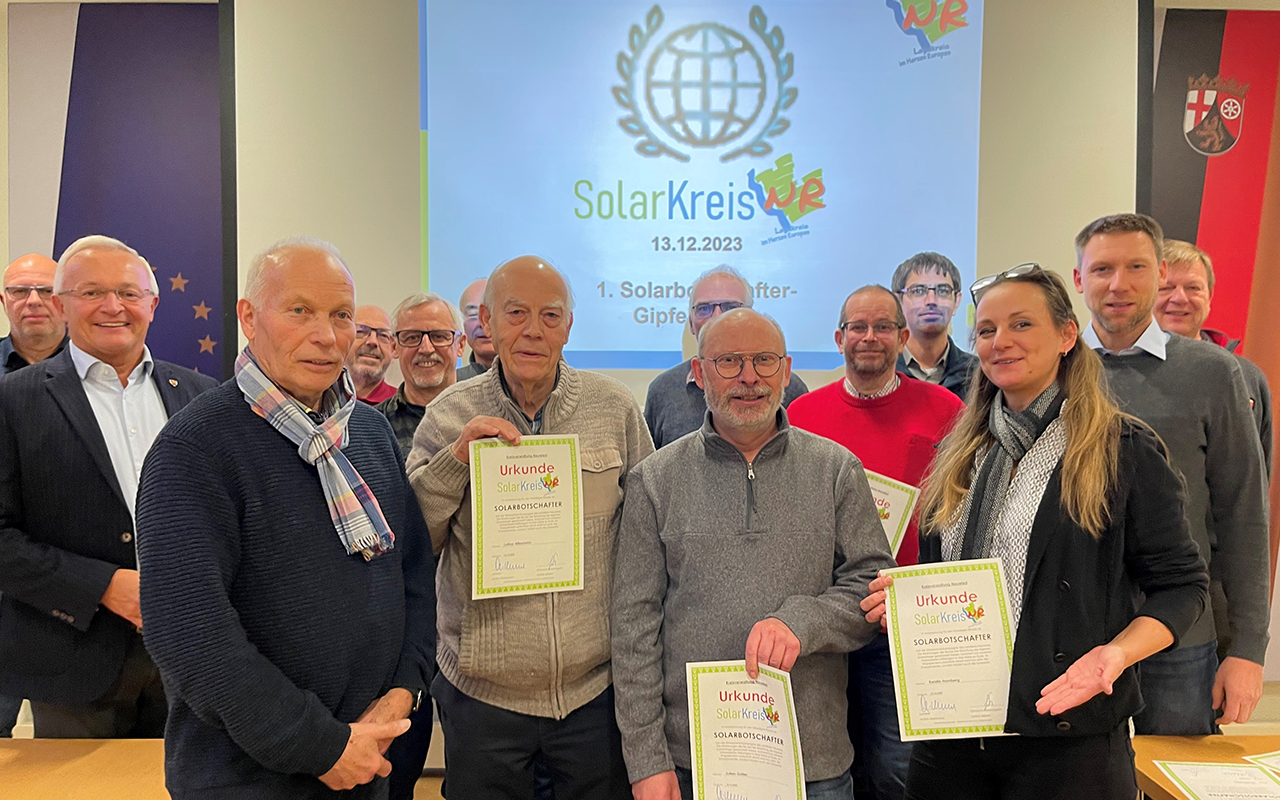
526, 679
747, 538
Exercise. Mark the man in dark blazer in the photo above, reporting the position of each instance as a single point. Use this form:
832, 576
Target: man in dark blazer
74, 430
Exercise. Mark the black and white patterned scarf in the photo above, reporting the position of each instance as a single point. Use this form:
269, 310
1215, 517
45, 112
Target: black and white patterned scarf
1015, 432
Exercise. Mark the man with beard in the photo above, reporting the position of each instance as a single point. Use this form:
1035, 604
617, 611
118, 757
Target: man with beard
929, 285
427, 341
892, 423
482, 350
1183, 306
1194, 395
775, 566
370, 356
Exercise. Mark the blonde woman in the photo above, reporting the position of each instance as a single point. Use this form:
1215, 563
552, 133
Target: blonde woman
1079, 500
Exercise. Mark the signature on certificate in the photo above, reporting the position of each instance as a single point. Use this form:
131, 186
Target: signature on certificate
927, 705
500, 565
989, 703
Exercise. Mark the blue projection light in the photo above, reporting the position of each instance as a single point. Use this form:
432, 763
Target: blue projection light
813, 146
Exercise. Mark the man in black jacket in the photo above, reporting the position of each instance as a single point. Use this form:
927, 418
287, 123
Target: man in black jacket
929, 285
73, 433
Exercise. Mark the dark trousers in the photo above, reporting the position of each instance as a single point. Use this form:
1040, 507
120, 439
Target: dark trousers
490, 752
408, 753
1177, 692
133, 708
1024, 768
881, 758
9, 708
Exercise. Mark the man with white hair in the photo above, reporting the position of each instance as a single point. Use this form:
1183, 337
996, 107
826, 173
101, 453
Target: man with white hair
36, 328
74, 430
287, 580
676, 404
427, 340
525, 679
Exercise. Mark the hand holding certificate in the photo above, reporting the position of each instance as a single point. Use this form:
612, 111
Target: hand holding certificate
743, 738
526, 516
951, 648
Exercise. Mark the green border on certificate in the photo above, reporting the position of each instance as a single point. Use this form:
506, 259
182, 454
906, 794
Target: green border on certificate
913, 492
951, 568
695, 723
1167, 767
478, 533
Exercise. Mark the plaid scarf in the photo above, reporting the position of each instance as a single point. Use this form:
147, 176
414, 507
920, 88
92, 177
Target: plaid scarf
355, 511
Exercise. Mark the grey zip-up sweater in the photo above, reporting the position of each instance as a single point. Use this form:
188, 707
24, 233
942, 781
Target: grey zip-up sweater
709, 546
540, 654
1198, 402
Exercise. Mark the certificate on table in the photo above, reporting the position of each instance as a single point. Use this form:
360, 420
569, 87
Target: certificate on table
1222, 781
951, 648
1269, 760
743, 738
526, 516
895, 501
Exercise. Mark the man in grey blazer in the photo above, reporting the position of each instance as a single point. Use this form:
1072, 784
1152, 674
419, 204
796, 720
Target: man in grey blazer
74, 430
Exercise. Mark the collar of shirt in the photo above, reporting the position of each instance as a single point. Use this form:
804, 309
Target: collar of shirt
910, 360
1152, 340
535, 423
90, 368
889, 388
10, 360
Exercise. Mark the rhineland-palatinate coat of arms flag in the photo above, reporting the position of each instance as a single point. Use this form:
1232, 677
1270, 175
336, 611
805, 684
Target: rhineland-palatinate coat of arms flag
1214, 114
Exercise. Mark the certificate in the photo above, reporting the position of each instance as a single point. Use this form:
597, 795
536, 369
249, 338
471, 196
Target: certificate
526, 516
951, 648
895, 501
1222, 781
1269, 760
743, 739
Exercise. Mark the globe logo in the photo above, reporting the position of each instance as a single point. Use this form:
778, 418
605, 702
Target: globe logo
704, 88
705, 85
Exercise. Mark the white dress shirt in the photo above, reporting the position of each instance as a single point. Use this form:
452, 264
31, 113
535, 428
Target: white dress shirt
130, 417
1151, 341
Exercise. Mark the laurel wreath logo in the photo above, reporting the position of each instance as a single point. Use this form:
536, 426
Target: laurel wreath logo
631, 72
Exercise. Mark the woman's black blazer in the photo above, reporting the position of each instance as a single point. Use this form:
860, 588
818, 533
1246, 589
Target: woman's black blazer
1080, 592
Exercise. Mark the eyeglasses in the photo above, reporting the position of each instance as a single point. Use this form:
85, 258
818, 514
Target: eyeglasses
384, 334
729, 365
128, 295
983, 284
919, 291
16, 293
437, 338
706, 310
882, 328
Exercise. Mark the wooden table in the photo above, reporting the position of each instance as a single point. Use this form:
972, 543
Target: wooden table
82, 769
1212, 749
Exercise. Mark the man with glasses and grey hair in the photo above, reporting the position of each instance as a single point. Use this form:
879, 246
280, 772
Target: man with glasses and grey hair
370, 355
36, 328
775, 566
427, 340
675, 404
929, 285
74, 430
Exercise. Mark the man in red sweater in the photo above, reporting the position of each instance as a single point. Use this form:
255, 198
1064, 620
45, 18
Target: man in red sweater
893, 424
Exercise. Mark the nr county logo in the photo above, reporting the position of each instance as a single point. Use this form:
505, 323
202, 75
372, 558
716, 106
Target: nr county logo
928, 21
705, 88
1214, 114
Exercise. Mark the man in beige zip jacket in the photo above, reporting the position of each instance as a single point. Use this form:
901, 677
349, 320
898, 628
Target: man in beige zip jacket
527, 678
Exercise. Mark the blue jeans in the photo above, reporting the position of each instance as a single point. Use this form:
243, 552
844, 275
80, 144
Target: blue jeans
881, 759
840, 788
1177, 688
